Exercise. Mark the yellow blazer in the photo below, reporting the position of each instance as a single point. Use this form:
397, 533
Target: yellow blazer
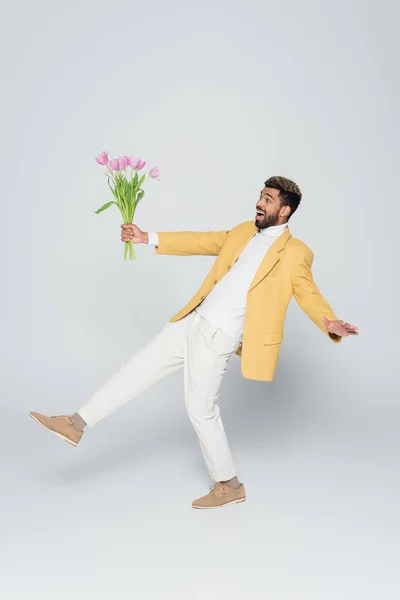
284, 271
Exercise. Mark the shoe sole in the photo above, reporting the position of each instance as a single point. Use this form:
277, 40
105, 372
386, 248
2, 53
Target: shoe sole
221, 505
56, 432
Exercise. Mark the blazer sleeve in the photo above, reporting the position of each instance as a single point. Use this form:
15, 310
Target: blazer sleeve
189, 243
309, 297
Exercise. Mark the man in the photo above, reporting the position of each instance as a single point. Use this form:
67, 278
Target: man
239, 309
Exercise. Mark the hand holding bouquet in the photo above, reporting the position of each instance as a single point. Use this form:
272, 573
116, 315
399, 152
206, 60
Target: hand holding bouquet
127, 190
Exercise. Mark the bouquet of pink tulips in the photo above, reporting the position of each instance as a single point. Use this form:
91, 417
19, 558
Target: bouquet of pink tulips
125, 189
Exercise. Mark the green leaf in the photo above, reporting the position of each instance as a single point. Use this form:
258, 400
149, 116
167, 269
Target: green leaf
131, 195
99, 210
139, 196
112, 189
128, 192
120, 190
141, 180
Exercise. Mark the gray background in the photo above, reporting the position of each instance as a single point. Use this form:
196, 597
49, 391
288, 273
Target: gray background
220, 96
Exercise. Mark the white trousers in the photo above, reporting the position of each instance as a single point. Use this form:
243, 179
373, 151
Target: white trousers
203, 350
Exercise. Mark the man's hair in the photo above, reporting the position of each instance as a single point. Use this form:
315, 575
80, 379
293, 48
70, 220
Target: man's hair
289, 192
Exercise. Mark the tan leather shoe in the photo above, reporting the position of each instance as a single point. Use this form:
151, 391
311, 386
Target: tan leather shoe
61, 425
220, 495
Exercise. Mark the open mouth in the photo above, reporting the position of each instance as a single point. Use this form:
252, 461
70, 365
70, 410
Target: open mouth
259, 215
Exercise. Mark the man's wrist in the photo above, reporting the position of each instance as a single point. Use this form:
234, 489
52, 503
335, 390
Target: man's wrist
145, 239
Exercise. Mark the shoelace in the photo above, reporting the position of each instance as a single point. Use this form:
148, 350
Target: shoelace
218, 488
69, 418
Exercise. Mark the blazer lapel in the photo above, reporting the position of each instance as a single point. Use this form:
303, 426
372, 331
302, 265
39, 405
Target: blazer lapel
272, 256
243, 241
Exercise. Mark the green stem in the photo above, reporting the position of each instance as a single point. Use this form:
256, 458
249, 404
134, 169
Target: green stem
129, 246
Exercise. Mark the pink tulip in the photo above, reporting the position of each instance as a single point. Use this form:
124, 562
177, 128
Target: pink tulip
123, 162
136, 163
154, 172
133, 162
114, 164
102, 158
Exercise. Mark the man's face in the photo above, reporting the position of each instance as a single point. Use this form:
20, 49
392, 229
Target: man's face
270, 206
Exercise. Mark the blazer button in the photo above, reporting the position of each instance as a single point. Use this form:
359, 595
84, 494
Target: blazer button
215, 281
202, 298
229, 266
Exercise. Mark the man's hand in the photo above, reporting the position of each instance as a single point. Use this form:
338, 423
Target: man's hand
340, 327
132, 232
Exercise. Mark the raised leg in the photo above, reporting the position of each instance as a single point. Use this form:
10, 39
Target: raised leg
163, 355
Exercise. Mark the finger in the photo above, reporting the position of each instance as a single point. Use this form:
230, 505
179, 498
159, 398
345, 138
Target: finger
127, 226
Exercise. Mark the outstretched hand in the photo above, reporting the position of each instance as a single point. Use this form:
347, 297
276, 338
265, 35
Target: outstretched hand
340, 327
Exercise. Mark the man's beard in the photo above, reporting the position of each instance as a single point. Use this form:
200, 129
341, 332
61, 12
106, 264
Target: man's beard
268, 221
